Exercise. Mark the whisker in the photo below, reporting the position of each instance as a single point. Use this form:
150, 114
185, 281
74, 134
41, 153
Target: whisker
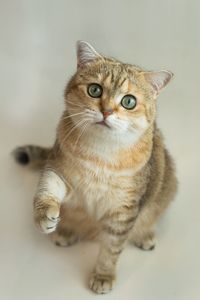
80, 113
70, 132
75, 104
84, 128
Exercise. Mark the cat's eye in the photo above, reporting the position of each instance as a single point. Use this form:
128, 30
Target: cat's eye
95, 90
129, 102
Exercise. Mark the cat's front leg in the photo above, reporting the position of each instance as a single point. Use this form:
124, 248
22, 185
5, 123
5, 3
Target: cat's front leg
50, 193
115, 231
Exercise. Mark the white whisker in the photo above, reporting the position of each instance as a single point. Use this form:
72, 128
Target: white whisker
80, 113
70, 132
84, 129
75, 104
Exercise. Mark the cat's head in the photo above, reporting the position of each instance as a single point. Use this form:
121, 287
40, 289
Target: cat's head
110, 97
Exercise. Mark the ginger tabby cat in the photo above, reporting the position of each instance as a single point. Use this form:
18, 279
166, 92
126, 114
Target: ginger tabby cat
108, 176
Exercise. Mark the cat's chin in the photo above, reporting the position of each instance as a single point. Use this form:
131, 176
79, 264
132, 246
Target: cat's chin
103, 123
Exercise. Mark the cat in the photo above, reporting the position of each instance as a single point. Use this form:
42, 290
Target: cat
108, 176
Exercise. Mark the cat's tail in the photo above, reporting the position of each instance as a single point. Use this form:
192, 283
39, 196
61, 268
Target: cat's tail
29, 155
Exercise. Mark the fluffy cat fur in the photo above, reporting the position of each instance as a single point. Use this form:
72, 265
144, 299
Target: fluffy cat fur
108, 176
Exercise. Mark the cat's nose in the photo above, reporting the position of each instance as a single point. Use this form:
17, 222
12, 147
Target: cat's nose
107, 113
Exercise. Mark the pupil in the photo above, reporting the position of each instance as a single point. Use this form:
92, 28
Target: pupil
128, 101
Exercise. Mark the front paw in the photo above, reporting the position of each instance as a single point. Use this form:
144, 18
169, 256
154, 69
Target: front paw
101, 283
46, 215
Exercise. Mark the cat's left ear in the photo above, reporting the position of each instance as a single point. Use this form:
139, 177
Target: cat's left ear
85, 53
158, 80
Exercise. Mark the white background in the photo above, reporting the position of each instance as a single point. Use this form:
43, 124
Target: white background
37, 57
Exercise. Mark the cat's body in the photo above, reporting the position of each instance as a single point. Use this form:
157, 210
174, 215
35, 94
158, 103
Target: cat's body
107, 179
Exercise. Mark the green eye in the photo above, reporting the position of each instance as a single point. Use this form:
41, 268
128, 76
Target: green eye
95, 90
129, 102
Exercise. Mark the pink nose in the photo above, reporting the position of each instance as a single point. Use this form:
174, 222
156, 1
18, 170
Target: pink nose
107, 113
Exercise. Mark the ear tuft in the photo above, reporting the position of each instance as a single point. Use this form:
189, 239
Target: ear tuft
158, 80
85, 53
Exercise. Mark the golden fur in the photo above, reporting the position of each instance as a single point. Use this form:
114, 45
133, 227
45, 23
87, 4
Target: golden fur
119, 179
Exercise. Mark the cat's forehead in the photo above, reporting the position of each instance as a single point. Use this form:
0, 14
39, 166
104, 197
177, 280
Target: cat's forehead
112, 74
112, 68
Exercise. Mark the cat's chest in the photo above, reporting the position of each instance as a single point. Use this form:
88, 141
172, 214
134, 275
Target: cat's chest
100, 189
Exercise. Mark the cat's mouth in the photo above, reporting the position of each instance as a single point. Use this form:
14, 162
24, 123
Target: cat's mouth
103, 123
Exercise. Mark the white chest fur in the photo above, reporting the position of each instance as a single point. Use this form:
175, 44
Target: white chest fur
99, 190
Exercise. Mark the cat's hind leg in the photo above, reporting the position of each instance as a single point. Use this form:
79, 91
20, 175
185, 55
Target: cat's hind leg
64, 237
143, 238
66, 232
154, 206
73, 227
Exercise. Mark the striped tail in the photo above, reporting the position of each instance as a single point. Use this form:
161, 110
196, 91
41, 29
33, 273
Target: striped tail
30, 155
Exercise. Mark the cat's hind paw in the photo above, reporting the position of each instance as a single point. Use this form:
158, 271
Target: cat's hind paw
146, 243
64, 238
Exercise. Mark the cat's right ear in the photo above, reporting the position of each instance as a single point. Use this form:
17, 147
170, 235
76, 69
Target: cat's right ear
85, 53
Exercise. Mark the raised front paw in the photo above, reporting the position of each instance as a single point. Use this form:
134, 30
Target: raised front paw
101, 284
46, 215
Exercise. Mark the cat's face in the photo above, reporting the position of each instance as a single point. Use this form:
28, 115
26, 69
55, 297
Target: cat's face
108, 96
